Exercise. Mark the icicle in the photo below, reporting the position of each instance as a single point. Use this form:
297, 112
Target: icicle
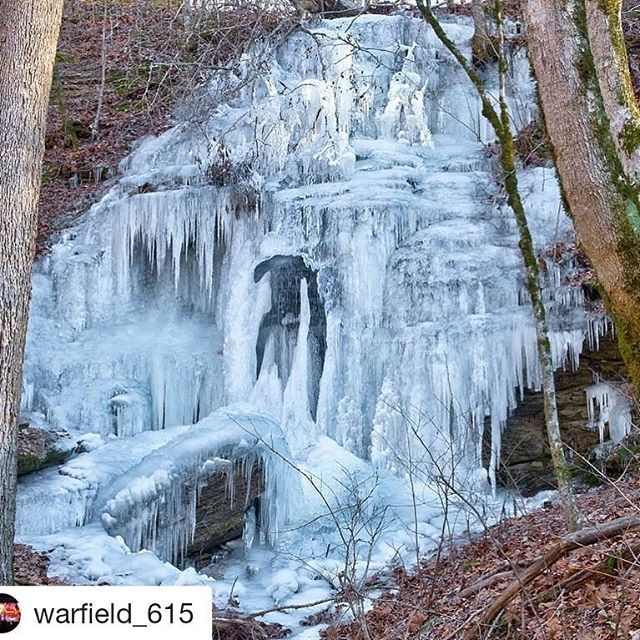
296, 416
608, 407
249, 529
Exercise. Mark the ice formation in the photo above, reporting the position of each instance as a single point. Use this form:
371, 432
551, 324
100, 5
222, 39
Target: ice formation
56, 499
144, 488
358, 279
609, 410
153, 505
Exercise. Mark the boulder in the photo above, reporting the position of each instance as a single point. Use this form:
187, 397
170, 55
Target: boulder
220, 519
42, 447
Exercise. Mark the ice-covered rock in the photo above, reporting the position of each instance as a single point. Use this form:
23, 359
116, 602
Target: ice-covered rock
284, 584
40, 446
153, 504
609, 410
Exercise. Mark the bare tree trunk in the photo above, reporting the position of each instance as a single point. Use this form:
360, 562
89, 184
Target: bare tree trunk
483, 42
28, 37
590, 118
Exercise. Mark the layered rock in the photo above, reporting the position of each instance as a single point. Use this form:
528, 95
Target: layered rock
526, 459
220, 513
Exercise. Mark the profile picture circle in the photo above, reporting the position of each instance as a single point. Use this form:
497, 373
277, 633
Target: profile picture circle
9, 613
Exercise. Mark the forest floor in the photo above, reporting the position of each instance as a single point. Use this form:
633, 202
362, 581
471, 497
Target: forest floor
592, 593
31, 568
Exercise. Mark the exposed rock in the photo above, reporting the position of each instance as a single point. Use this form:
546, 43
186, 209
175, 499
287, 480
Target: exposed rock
282, 323
39, 448
220, 519
331, 8
616, 459
526, 459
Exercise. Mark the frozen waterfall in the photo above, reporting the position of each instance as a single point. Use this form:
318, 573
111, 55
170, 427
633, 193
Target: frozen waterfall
358, 281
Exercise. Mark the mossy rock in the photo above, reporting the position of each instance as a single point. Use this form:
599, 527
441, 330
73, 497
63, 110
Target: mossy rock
39, 448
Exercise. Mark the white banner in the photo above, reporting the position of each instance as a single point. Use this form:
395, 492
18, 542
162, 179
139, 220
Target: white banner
97, 613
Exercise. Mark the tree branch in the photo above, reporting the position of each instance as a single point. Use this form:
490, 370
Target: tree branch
582, 538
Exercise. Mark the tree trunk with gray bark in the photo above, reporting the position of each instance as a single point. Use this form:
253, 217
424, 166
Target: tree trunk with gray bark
28, 38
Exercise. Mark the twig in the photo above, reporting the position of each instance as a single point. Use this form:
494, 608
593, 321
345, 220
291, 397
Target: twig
95, 129
485, 583
264, 612
573, 541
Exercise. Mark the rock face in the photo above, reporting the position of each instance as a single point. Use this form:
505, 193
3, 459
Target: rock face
220, 512
40, 448
526, 460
